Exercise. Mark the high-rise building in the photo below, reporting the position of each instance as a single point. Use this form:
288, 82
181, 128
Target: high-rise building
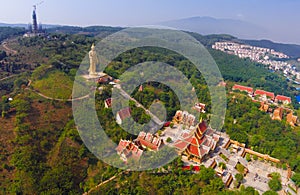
34, 29
34, 20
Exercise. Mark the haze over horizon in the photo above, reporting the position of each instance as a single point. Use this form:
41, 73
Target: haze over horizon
280, 18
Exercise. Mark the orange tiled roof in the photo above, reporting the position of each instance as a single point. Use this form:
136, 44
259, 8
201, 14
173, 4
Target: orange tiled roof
243, 88
266, 93
283, 98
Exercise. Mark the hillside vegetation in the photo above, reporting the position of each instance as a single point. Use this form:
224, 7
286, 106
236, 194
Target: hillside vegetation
43, 153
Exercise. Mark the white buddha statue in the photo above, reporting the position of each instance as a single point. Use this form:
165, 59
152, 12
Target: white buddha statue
93, 61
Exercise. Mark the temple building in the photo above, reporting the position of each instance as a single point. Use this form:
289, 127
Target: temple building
199, 144
291, 119
200, 107
134, 149
183, 117
128, 149
149, 141
277, 115
265, 107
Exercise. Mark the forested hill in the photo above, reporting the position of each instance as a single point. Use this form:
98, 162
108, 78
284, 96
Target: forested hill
209, 40
7, 32
44, 154
90, 30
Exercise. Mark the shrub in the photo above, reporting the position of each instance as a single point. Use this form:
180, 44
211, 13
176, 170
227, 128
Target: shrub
169, 140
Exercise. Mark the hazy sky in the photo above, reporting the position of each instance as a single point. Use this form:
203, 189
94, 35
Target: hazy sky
280, 16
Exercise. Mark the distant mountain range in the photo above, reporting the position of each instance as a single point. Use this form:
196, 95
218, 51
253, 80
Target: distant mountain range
246, 32
209, 25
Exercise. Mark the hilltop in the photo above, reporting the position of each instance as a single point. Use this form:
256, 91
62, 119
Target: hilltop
43, 152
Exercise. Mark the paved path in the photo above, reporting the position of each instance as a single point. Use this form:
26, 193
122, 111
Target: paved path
127, 96
58, 99
50, 98
102, 183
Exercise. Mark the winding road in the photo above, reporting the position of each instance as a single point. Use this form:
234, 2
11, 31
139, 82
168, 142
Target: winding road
11, 76
7, 49
50, 98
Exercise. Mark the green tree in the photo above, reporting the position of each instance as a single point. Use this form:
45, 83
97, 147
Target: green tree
296, 179
275, 184
248, 157
206, 174
240, 168
269, 192
169, 140
239, 177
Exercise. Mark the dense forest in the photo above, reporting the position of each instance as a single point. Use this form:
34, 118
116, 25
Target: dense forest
247, 124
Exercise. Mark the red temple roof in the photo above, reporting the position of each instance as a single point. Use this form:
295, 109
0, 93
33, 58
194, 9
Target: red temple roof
195, 168
196, 141
197, 151
181, 145
150, 141
202, 127
167, 124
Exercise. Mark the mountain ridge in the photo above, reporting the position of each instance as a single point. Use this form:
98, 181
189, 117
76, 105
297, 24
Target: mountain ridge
209, 25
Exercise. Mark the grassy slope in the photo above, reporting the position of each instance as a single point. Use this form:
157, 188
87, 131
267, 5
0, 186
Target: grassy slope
54, 84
